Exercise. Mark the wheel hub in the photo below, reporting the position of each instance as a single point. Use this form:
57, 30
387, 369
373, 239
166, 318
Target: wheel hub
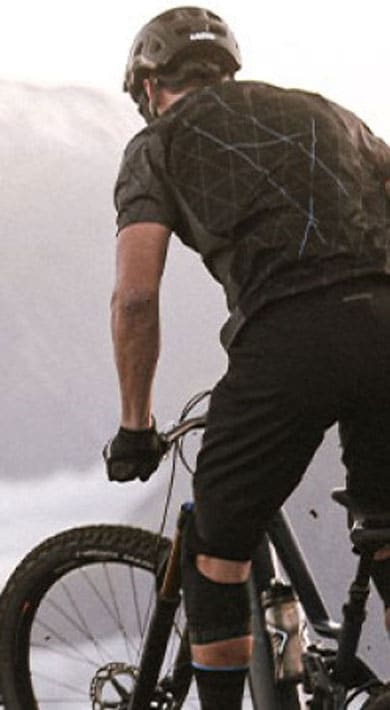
112, 685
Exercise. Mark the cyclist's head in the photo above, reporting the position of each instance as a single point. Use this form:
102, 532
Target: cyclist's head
185, 47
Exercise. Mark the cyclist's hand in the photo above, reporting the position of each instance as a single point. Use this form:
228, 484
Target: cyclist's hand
133, 453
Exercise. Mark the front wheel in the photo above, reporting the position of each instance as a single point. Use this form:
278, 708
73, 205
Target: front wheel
73, 619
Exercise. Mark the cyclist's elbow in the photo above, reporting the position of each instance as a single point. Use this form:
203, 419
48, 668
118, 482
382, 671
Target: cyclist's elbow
134, 302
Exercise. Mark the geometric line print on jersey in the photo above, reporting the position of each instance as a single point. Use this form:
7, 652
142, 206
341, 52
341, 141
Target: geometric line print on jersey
312, 225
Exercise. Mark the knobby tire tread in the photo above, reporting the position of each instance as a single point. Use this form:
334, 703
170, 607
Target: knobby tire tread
52, 558
60, 553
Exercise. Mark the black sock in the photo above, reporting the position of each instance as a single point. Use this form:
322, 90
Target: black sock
220, 690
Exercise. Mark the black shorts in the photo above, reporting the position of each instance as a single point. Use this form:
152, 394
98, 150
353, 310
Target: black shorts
300, 366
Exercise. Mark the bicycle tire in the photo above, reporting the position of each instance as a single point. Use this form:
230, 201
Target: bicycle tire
38, 621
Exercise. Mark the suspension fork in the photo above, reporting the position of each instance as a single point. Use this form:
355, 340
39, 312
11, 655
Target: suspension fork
160, 627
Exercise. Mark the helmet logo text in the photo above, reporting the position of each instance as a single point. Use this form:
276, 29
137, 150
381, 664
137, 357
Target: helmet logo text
202, 35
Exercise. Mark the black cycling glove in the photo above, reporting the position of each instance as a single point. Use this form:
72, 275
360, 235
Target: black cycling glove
133, 453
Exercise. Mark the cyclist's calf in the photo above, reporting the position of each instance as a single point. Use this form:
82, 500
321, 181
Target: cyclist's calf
217, 606
221, 570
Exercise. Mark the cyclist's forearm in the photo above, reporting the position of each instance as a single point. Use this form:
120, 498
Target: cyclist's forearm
135, 334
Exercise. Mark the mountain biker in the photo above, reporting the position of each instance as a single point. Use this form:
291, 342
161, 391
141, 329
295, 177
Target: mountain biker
283, 194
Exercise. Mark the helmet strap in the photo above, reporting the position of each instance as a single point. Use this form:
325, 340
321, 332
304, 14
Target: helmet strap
154, 100
148, 108
144, 108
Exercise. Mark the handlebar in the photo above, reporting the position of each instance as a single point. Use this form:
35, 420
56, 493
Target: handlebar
172, 435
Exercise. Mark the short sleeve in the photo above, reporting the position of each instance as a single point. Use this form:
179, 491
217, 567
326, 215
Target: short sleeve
376, 150
141, 194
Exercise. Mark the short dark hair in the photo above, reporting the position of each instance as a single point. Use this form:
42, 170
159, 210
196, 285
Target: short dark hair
190, 73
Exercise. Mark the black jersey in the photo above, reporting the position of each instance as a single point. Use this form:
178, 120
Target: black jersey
279, 190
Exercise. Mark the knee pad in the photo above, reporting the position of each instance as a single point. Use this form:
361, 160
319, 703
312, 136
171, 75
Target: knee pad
215, 611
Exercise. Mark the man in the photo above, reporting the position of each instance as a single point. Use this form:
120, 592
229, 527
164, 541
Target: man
283, 195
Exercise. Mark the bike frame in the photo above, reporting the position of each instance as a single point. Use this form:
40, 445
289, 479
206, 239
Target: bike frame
292, 559
261, 675
281, 537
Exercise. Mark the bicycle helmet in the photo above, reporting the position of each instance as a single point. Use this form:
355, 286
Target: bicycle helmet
180, 33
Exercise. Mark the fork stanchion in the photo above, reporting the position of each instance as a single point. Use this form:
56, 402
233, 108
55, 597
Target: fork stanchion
167, 602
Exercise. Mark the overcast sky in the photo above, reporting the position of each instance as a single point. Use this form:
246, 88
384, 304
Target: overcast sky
341, 52
339, 47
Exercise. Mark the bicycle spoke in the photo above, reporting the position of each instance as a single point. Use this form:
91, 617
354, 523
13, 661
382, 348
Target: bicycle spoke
120, 623
137, 610
81, 621
142, 624
61, 684
105, 604
55, 651
99, 649
81, 628
59, 637
80, 639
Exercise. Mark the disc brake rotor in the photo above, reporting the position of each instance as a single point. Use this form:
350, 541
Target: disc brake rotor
112, 685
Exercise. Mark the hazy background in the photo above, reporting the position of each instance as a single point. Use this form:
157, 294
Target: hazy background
63, 126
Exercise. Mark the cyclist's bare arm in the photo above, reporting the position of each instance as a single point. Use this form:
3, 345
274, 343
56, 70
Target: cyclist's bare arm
141, 252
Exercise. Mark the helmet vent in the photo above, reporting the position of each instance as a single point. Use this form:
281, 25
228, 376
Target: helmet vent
177, 35
213, 16
184, 30
167, 17
155, 46
217, 29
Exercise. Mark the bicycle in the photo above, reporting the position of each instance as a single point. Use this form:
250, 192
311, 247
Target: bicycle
59, 647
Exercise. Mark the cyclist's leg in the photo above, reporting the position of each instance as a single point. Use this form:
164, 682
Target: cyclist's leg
233, 575
364, 430
218, 613
366, 444
258, 443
